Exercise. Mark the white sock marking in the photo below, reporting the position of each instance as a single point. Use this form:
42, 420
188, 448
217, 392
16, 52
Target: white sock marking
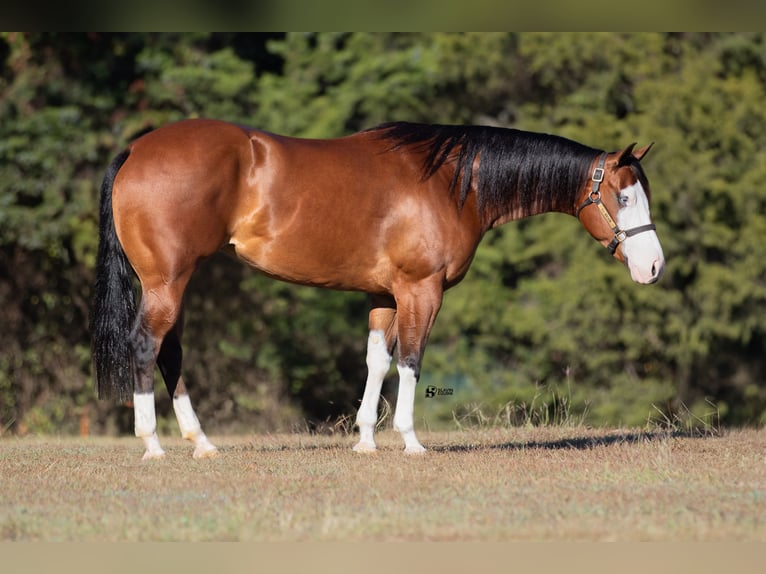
187, 420
145, 424
405, 406
378, 363
190, 427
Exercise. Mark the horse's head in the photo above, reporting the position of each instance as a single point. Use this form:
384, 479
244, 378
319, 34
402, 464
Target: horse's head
614, 208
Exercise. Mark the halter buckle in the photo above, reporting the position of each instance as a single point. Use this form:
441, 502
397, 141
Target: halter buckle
598, 175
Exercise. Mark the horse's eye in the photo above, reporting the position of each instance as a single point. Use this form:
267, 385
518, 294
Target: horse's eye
624, 200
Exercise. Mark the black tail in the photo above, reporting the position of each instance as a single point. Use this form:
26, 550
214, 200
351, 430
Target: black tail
114, 306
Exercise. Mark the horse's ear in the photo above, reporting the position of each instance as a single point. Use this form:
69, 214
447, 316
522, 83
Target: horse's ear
639, 154
625, 155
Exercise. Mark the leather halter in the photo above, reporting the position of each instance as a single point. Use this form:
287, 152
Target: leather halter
594, 197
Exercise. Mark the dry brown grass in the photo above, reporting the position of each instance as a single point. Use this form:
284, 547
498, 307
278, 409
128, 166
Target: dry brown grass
485, 484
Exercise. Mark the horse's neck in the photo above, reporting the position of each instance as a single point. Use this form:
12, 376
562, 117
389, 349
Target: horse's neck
519, 212
544, 189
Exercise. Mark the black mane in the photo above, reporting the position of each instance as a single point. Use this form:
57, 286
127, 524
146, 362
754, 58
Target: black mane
521, 171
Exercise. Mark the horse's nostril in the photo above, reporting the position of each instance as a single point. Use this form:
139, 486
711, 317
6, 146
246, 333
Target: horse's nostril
658, 267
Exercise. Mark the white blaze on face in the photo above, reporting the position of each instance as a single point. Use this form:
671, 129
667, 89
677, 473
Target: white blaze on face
642, 252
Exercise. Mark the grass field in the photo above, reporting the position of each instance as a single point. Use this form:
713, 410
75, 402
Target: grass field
505, 484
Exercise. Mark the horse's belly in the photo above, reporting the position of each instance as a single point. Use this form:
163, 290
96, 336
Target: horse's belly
340, 266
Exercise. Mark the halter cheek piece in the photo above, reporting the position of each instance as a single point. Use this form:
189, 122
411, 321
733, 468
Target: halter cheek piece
620, 235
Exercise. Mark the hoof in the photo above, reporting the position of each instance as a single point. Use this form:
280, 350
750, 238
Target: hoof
365, 447
208, 451
153, 455
414, 449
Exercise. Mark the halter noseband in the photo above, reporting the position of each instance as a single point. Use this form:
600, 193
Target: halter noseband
594, 197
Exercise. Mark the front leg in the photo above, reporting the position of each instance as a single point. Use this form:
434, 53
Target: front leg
380, 344
418, 304
405, 406
378, 362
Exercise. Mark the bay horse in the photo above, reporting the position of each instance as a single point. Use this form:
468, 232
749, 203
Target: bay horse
396, 211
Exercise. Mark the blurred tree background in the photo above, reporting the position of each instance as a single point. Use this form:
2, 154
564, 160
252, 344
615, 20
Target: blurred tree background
544, 320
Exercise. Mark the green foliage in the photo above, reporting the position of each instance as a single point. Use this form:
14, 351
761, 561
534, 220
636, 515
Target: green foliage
192, 81
544, 315
335, 83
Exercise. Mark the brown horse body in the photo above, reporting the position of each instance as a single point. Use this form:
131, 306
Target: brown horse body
396, 212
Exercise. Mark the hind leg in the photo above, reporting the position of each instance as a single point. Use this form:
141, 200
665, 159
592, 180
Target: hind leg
380, 345
159, 310
169, 361
145, 349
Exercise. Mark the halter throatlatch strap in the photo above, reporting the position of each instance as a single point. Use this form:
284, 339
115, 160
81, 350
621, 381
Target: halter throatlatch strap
594, 198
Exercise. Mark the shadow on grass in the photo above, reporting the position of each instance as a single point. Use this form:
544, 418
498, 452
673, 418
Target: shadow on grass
579, 443
574, 443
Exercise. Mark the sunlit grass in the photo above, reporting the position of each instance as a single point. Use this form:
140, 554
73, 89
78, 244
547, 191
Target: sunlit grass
490, 483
